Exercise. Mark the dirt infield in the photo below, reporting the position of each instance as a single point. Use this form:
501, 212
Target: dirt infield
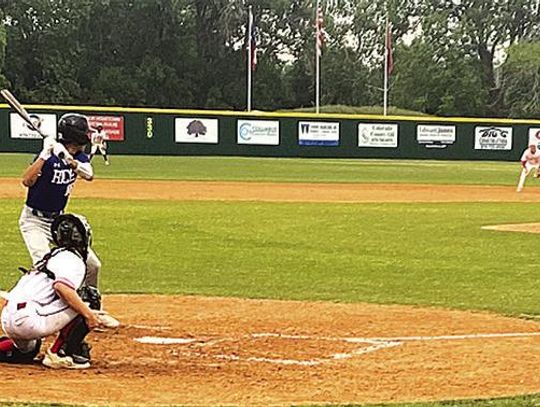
216, 351
261, 352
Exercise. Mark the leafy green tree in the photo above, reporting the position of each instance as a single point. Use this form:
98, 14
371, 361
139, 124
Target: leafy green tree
481, 29
43, 54
521, 80
446, 84
191, 53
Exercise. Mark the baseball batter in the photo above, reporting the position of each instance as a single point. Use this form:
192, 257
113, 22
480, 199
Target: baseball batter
530, 159
50, 180
99, 144
45, 301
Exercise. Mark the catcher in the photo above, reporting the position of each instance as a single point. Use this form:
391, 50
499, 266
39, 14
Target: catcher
50, 298
99, 144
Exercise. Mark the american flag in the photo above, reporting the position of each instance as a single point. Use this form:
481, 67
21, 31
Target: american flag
321, 33
252, 41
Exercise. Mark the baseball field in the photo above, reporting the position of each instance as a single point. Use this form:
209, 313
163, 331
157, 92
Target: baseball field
260, 281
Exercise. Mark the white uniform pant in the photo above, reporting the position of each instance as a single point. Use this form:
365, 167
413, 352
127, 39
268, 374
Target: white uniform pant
98, 147
26, 322
36, 233
526, 170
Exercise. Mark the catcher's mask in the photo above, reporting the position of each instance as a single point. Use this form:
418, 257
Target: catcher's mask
73, 232
73, 128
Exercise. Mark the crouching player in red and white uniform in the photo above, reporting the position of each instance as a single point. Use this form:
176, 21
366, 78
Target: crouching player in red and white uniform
46, 300
530, 159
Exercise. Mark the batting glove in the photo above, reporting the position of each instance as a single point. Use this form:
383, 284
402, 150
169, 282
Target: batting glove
49, 142
46, 153
60, 151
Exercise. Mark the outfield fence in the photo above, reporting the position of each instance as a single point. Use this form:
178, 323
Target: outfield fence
145, 131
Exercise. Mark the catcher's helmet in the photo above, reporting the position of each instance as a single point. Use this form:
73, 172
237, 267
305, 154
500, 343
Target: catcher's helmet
73, 232
73, 128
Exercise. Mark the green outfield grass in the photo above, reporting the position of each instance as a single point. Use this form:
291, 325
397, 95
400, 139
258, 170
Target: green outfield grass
429, 254
294, 170
421, 254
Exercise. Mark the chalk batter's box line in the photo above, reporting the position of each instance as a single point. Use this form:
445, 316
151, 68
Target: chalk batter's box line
375, 344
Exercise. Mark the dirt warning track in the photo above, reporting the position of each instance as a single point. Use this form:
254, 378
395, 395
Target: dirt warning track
284, 192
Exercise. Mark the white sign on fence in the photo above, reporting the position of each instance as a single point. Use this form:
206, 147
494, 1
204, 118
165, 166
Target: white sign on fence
377, 135
259, 132
492, 138
435, 136
318, 133
196, 130
20, 129
534, 137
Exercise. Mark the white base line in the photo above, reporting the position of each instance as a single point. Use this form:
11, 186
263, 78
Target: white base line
402, 338
375, 344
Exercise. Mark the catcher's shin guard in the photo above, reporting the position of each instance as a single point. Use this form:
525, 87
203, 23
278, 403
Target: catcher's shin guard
70, 341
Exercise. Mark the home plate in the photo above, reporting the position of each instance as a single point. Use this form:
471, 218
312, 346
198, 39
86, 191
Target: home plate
154, 340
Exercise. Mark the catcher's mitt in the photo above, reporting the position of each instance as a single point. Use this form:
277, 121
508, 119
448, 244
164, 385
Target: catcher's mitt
91, 296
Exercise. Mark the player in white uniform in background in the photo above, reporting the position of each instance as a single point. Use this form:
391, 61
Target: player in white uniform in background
49, 180
46, 301
530, 159
99, 144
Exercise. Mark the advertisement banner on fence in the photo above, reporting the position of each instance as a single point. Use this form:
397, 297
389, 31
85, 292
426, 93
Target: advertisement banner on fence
378, 135
45, 122
113, 126
435, 136
318, 133
196, 130
259, 132
534, 136
492, 138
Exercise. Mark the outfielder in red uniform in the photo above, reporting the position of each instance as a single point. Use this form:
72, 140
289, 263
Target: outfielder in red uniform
530, 159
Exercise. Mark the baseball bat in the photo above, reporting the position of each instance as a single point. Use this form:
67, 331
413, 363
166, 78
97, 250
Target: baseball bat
21, 111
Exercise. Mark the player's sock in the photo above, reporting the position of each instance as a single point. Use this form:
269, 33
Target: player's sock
62, 336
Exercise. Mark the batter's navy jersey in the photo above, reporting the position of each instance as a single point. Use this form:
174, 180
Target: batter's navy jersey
51, 191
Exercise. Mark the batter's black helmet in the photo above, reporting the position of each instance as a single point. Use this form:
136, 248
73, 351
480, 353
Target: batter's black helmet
72, 231
73, 128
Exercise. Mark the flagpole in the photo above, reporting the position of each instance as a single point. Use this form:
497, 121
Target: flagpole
249, 59
385, 101
317, 60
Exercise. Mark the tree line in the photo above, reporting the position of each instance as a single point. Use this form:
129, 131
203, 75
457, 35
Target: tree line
451, 57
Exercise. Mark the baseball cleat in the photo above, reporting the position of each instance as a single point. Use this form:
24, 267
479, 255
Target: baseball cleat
61, 361
107, 320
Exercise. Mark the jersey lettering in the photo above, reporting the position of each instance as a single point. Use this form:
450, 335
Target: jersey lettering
52, 189
63, 177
